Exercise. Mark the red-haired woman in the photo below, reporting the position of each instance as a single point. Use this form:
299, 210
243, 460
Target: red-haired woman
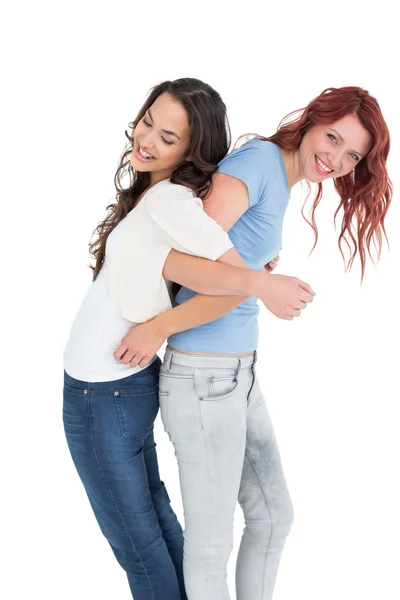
211, 403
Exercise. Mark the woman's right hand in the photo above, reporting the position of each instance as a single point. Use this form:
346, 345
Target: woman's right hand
141, 343
269, 267
285, 296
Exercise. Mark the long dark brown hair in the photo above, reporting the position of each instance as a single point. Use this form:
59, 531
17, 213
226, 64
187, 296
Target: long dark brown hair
209, 143
365, 194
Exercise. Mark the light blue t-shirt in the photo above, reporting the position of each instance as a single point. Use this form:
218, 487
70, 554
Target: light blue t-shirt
257, 236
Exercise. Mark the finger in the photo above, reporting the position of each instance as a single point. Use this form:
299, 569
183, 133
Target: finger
294, 312
144, 361
306, 296
135, 360
306, 287
286, 316
300, 305
282, 315
120, 351
128, 356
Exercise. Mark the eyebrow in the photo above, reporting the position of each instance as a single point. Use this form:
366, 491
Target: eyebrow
164, 130
338, 134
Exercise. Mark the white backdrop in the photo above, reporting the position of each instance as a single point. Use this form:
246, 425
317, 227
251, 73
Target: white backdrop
75, 74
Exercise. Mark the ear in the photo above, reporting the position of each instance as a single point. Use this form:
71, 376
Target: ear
188, 159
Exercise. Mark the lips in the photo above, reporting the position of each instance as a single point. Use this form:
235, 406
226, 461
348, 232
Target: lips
143, 156
321, 167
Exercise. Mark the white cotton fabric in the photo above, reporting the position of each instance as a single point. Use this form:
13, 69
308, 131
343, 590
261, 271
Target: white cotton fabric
130, 288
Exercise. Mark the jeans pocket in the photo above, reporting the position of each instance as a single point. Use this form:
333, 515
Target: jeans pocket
179, 406
75, 404
137, 411
214, 385
75, 417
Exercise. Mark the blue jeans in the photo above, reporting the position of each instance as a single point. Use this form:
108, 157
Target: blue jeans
109, 430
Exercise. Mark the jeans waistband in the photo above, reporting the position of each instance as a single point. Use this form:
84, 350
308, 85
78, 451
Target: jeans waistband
154, 365
201, 361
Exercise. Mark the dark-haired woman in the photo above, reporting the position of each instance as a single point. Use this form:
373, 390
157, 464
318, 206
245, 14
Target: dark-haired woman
180, 135
211, 403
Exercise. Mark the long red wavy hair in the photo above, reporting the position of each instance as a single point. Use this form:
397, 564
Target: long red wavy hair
366, 193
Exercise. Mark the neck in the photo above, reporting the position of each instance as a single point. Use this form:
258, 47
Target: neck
159, 176
292, 166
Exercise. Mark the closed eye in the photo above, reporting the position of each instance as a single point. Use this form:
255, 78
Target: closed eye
150, 125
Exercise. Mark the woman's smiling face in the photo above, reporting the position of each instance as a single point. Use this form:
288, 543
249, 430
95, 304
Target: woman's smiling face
334, 150
161, 138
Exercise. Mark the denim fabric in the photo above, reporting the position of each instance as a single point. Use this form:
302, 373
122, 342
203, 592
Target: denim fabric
109, 430
215, 414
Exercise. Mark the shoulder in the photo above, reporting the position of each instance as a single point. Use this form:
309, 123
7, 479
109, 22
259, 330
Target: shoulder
165, 194
170, 202
255, 149
255, 164
257, 160
167, 189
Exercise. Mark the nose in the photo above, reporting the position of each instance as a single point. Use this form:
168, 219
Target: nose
336, 160
146, 140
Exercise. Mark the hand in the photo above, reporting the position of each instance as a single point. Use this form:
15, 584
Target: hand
269, 267
140, 344
285, 296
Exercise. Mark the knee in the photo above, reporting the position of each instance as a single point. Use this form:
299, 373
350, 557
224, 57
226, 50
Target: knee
284, 517
129, 561
212, 554
133, 556
274, 519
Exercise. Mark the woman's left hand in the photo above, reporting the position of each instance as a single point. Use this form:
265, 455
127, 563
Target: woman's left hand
140, 344
269, 267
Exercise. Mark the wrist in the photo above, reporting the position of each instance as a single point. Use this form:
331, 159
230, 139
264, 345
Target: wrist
257, 281
164, 323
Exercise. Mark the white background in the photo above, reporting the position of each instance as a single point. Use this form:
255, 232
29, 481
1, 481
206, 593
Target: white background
74, 75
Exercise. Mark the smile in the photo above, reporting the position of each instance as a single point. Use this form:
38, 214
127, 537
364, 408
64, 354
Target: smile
143, 156
321, 167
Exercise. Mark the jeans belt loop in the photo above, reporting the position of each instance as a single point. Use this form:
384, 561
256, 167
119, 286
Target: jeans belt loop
238, 367
170, 360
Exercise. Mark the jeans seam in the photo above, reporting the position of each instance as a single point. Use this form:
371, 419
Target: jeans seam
104, 476
209, 499
208, 472
270, 517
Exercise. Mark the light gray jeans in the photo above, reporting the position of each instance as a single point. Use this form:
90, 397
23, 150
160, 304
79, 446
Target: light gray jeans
215, 415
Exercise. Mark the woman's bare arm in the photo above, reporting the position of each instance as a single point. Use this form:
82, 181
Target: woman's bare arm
283, 296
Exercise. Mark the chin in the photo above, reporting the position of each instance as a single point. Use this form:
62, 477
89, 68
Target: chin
140, 167
314, 178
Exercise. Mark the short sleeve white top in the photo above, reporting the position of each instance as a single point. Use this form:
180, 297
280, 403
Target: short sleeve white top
130, 287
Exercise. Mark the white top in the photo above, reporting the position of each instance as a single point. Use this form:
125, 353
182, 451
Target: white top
130, 287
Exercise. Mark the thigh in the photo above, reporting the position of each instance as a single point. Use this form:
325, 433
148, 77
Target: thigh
263, 487
106, 426
131, 403
156, 485
206, 421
